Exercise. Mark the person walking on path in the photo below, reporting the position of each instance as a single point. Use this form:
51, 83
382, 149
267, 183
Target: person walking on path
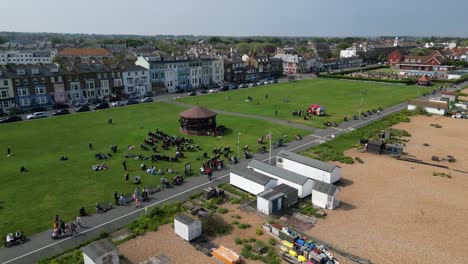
73, 228
8, 151
78, 221
124, 164
276, 112
126, 177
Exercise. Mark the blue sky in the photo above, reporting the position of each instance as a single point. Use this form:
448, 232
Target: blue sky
239, 17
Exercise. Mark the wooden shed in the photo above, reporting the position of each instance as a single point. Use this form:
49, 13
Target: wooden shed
325, 195
275, 199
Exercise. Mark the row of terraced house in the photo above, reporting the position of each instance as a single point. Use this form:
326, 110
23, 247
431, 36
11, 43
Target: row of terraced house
31, 86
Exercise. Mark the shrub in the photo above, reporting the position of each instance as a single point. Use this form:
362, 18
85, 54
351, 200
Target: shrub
238, 241
235, 200
272, 241
103, 234
252, 239
243, 226
195, 195
258, 232
358, 159
442, 174
234, 190
156, 217
222, 210
309, 210
214, 225
235, 222
426, 144
236, 216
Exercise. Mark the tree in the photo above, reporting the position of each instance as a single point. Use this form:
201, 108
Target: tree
302, 50
342, 46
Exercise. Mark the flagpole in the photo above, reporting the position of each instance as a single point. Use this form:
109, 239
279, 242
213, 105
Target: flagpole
269, 160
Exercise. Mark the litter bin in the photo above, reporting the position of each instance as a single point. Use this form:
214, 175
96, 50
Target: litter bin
82, 211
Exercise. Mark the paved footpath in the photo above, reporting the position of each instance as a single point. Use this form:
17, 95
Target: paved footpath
41, 245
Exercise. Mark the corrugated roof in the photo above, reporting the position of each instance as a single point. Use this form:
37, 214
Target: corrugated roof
277, 191
278, 172
307, 161
98, 249
185, 219
324, 187
252, 175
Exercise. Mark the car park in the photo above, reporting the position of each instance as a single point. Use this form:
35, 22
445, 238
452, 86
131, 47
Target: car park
132, 102
83, 108
117, 104
147, 100
61, 112
10, 119
101, 106
36, 115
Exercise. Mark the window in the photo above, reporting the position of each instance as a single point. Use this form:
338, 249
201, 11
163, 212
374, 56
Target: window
17, 82
23, 91
117, 82
25, 82
35, 80
40, 90
99, 76
41, 100
5, 82
24, 102
4, 104
3, 93
130, 89
90, 85
42, 79
129, 80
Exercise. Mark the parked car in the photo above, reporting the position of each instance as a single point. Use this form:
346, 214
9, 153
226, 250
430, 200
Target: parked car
252, 84
133, 96
61, 106
148, 94
193, 93
233, 86
80, 103
259, 83
117, 104
147, 100
3, 114
61, 112
83, 108
36, 115
10, 119
266, 82
101, 106
132, 102
243, 85
275, 80
203, 91
179, 91
213, 90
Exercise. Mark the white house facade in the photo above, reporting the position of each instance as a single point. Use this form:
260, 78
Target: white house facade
7, 96
136, 80
23, 57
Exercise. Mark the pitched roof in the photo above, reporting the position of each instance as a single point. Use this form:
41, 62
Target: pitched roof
424, 78
84, 52
278, 172
197, 112
252, 175
307, 161
185, 219
324, 187
277, 191
98, 248
424, 103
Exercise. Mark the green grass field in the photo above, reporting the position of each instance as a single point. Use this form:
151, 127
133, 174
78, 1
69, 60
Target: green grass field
340, 98
29, 201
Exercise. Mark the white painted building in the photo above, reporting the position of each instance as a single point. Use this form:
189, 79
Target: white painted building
348, 53
308, 167
325, 195
7, 95
100, 252
23, 57
274, 200
251, 181
302, 184
431, 107
187, 227
136, 80
293, 63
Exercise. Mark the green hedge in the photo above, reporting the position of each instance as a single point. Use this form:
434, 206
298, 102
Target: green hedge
333, 76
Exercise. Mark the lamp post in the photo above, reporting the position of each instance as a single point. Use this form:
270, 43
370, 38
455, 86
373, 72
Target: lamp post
238, 143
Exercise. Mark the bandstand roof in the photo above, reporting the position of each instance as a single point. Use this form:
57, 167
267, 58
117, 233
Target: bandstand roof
197, 112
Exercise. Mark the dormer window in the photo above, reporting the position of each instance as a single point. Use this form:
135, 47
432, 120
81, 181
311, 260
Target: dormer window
35, 71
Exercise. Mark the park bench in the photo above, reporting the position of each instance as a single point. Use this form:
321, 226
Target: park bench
103, 207
126, 199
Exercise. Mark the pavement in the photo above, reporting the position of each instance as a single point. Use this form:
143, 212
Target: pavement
41, 245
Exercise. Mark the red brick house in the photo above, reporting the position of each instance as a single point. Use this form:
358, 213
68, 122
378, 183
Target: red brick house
430, 63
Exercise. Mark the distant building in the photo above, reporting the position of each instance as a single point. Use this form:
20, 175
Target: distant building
434, 62
183, 72
293, 64
187, 227
7, 94
431, 107
82, 55
24, 57
266, 67
136, 80
234, 70
100, 252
